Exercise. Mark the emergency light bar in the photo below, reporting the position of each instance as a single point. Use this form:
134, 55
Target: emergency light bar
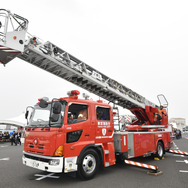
44, 99
73, 93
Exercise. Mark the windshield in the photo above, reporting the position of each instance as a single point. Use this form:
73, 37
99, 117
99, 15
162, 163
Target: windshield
40, 117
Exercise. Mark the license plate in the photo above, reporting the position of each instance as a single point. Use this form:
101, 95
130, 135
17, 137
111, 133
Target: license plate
35, 164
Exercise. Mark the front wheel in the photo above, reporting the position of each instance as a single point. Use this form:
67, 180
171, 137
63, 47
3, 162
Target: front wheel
89, 164
160, 150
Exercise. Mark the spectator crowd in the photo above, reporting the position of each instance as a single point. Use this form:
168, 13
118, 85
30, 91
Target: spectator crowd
14, 136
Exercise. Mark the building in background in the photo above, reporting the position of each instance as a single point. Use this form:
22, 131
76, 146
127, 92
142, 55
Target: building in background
179, 122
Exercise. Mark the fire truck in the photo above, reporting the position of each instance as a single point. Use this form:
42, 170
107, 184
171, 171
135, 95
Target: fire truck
74, 134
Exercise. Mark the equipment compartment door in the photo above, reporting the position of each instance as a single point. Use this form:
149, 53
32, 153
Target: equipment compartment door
144, 143
131, 152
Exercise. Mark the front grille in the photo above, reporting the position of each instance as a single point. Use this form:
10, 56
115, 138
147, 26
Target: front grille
31, 146
37, 158
41, 146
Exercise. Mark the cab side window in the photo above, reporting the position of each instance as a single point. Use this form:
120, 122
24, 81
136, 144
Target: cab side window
103, 113
77, 113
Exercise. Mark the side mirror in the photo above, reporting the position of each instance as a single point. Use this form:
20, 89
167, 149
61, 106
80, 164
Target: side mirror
29, 111
26, 114
57, 108
56, 111
54, 118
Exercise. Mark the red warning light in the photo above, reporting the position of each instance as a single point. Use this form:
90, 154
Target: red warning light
75, 92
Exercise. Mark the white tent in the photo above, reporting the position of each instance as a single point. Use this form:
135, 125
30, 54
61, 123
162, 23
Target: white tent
19, 121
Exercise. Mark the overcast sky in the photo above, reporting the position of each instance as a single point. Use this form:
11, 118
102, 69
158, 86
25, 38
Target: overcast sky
141, 44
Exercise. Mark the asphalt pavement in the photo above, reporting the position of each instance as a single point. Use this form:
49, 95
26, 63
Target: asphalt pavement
174, 167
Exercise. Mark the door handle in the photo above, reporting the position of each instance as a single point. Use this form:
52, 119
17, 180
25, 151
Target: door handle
86, 134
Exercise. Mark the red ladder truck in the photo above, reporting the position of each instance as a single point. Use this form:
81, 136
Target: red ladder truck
70, 134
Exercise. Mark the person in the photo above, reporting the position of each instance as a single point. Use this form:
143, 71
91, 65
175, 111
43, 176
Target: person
158, 116
7, 137
15, 136
12, 138
162, 111
70, 118
177, 133
100, 116
1, 136
180, 134
83, 114
19, 137
22, 132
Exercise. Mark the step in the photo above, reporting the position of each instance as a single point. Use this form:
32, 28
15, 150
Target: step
107, 164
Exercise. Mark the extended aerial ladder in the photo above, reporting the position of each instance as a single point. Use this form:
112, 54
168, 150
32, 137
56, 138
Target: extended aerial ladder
15, 41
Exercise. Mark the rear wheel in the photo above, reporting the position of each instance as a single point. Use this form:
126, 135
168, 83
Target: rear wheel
160, 150
89, 164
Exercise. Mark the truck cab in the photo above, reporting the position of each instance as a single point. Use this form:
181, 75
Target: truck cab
69, 134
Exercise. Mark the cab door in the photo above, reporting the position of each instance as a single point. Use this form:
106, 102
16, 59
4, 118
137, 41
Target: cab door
104, 124
77, 128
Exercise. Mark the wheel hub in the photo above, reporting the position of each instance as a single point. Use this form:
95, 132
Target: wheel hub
89, 163
160, 150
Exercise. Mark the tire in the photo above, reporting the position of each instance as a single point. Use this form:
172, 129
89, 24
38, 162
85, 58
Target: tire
160, 150
89, 164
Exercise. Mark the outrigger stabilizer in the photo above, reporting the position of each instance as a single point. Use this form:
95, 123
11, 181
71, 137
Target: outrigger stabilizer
153, 169
178, 152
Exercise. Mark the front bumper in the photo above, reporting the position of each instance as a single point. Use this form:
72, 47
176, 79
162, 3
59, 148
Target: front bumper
45, 163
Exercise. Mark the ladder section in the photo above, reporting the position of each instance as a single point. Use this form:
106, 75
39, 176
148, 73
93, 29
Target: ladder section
116, 118
58, 62
13, 29
53, 59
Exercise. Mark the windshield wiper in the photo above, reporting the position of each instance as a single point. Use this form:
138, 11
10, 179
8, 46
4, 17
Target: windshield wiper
42, 123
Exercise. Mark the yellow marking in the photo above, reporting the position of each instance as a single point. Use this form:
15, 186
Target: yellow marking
156, 159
